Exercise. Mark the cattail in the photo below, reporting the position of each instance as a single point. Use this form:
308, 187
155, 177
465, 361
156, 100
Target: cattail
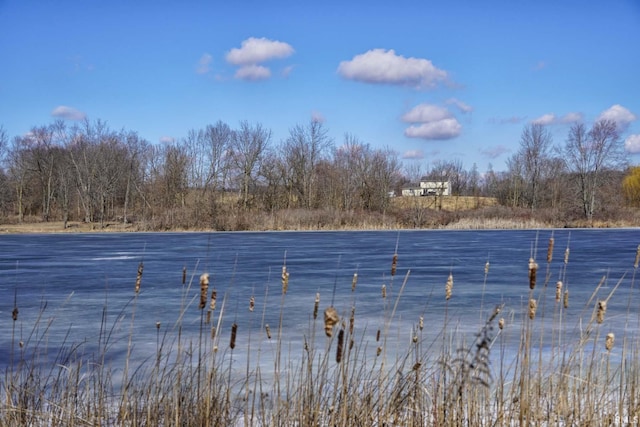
285, 279
158, 325
213, 332
608, 342
214, 299
215, 348
566, 299
234, 331
501, 323
416, 366
550, 249
558, 290
204, 289
384, 291
486, 268
421, 323
378, 335
637, 261
352, 319
414, 338
378, 351
208, 321
533, 268
602, 309
354, 282
533, 306
448, 287
340, 346
252, 303
184, 275
394, 264
14, 313
21, 343
331, 318
268, 331
566, 256
316, 304
139, 276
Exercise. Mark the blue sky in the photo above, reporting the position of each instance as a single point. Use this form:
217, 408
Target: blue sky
432, 80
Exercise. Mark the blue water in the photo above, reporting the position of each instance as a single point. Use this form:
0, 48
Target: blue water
63, 284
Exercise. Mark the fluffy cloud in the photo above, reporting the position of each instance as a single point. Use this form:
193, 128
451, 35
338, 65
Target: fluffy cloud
552, 119
255, 50
68, 113
545, 119
413, 155
253, 72
204, 64
431, 122
620, 115
632, 144
465, 108
494, 152
384, 66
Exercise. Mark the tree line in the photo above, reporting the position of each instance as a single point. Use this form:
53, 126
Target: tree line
92, 173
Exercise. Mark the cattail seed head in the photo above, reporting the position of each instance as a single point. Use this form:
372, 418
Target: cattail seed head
378, 335
533, 306
448, 287
414, 338
550, 249
316, 304
204, 289
213, 332
565, 299
486, 268
215, 348
394, 264
184, 275
566, 256
340, 346
608, 342
139, 277
331, 318
214, 298
558, 291
501, 323
268, 331
421, 323
533, 269
234, 331
354, 282
637, 261
285, 279
602, 309
378, 351
252, 303
21, 343
157, 325
208, 321
384, 291
352, 319
14, 314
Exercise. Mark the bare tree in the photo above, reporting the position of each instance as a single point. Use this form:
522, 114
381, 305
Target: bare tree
248, 145
588, 155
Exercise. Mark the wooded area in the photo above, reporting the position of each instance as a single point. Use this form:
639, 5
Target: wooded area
222, 178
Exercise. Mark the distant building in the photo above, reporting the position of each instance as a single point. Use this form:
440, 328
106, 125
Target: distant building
428, 187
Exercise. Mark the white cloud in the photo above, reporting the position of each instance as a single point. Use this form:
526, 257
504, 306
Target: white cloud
204, 64
632, 144
423, 113
413, 155
494, 152
545, 119
255, 50
253, 72
620, 115
441, 129
384, 66
68, 113
571, 118
167, 139
286, 71
465, 108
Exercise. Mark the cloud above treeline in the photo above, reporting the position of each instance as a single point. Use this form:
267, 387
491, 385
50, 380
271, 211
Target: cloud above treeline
552, 119
380, 66
632, 144
620, 115
494, 152
431, 122
68, 113
251, 55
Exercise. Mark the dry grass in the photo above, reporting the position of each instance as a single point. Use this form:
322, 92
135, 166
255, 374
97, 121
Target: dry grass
559, 374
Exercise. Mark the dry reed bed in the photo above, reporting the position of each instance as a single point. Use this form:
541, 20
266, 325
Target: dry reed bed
337, 374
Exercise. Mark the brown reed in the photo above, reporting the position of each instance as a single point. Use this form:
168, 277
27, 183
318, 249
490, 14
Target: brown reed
448, 287
139, 277
384, 291
565, 299
550, 249
558, 290
184, 275
214, 298
340, 346
602, 310
204, 289
354, 282
378, 335
252, 303
234, 331
608, 342
14, 313
316, 305
566, 256
208, 321
331, 318
533, 269
421, 323
213, 332
394, 264
285, 279
501, 323
268, 331
486, 268
352, 319
533, 306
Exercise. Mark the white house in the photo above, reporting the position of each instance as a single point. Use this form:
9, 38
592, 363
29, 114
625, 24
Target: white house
428, 188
